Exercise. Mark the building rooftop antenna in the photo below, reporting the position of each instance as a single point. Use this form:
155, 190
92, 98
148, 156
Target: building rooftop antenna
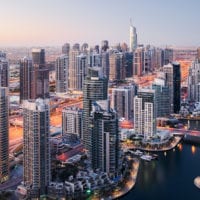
131, 21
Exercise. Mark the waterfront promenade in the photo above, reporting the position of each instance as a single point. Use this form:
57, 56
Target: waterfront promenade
129, 182
176, 140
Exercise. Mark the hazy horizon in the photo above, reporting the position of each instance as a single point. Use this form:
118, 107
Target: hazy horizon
55, 22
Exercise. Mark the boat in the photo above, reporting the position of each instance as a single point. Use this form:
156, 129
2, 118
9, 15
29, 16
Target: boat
146, 157
138, 153
154, 156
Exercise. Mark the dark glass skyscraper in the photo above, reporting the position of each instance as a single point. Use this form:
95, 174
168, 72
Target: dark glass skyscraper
39, 75
103, 128
26, 68
173, 81
94, 88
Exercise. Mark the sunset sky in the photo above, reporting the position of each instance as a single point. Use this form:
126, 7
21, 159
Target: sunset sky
54, 22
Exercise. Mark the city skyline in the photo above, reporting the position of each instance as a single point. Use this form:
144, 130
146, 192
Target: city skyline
30, 23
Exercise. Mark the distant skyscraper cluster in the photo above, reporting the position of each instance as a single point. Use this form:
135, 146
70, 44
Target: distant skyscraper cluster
82, 69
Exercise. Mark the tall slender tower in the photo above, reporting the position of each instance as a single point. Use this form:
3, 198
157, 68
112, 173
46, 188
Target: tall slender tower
39, 75
62, 70
37, 162
26, 68
103, 127
133, 37
145, 113
95, 88
173, 81
4, 162
4, 70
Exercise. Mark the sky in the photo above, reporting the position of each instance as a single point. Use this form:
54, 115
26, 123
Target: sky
55, 22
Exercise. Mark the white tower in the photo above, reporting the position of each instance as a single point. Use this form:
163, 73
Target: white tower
133, 37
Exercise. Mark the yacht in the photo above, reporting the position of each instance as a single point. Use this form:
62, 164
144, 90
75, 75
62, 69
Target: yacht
146, 157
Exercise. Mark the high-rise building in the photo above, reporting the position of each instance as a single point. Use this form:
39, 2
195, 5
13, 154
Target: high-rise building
105, 64
128, 56
133, 38
62, 67
4, 129
26, 68
198, 54
145, 113
74, 67
103, 128
104, 45
138, 65
173, 81
4, 70
37, 161
38, 56
167, 56
95, 88
72, 121
194, 81
66, 49
117, 66
95, 59
162, 97
39, 75
122, 101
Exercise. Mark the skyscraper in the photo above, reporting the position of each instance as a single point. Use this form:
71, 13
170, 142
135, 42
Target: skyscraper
4, 70
37, 162
167, 56
74, 67
138, 65
26, 68
122, 101
95, 88
39, 75
117, 66
194, 81
72, 121
145, 113
4, 129
103, 128
104, 45
66, 49
173, 81
162, 97
38, 56
62, 73
128, 56
133, 37
105, 64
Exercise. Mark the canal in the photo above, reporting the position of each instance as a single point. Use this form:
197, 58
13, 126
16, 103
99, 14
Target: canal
169, 177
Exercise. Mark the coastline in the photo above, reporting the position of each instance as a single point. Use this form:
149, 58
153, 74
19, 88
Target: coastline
171, 146
129, 185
